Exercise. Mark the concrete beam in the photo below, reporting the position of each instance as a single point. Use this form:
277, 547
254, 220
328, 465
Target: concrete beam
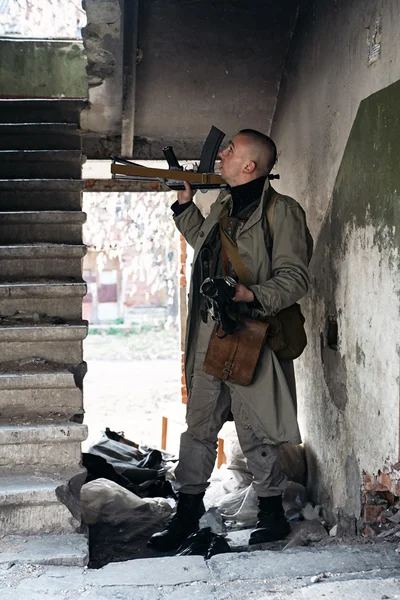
130, 17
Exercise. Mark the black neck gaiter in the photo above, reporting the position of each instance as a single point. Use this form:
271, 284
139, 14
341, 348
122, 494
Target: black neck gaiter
245, 194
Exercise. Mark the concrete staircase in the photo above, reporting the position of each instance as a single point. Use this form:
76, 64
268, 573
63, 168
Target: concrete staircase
41, 327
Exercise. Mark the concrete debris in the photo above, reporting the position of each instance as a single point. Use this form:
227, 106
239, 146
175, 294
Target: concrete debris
305, 533
394, 518
390, 532
310, 512
333, 532
318, 578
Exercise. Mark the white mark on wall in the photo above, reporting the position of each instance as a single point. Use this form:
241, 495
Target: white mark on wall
367, 300
374, 35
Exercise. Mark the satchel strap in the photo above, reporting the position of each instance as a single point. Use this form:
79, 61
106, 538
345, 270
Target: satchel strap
231, 249
271, 210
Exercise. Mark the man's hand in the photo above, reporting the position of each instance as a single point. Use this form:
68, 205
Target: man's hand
185, 195
243, 294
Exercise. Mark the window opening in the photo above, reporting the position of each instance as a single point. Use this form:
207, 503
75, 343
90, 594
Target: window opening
40, 19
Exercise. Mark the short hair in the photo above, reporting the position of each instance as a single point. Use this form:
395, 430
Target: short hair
266, 142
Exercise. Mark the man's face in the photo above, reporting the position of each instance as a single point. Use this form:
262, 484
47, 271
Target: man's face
234, 159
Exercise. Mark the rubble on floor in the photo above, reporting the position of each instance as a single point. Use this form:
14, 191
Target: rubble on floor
123, 509
380, 519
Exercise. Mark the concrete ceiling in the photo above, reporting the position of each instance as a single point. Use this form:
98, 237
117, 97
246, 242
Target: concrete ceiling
207, 62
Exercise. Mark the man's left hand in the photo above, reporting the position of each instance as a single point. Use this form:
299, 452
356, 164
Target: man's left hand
243, 294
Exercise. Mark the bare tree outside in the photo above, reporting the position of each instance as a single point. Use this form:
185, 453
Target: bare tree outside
138, 230
42, 18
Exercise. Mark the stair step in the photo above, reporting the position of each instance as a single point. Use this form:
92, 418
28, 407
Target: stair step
60, 298
41, 390
22, 261
48, 217
42, 288
42, 332
63, 227
41, 110
40, 449
67, 550
38, 376
32, 505
40, 194
58, 343
40, 163
34, 136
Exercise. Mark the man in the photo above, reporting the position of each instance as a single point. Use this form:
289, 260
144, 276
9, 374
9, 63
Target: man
265, 411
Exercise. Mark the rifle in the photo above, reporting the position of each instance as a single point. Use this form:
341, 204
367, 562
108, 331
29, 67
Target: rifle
203, 178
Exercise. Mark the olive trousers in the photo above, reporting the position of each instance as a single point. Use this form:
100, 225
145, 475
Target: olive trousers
211, 401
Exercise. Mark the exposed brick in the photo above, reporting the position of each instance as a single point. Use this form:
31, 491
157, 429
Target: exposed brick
385, 480
367, 479
388, 496
367, 531
372, 513
375, 487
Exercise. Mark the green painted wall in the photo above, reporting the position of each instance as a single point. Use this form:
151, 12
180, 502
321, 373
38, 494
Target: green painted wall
367, 189
337, 129
42, 69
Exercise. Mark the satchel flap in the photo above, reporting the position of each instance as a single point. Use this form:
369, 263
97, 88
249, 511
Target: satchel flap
234, 357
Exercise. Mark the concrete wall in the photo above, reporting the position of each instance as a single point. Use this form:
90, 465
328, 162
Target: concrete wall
203, 63
42, 69
198, 64
103, 45
337, 128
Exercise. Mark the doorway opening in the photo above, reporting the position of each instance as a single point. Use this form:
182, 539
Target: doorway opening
132, 350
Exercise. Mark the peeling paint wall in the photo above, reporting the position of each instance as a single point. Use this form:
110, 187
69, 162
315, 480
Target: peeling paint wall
102, 41
337, 128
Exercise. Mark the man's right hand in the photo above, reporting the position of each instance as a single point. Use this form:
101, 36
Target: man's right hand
186, 195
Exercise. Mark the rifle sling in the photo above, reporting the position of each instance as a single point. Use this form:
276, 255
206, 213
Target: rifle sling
229, 246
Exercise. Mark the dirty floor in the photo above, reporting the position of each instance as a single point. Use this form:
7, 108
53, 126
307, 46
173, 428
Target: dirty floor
336, 572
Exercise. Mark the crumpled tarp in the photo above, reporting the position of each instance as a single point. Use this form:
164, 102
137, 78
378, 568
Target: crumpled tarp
144, 471
204, 543
104, 501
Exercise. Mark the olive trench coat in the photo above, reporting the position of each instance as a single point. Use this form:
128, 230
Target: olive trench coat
270, 401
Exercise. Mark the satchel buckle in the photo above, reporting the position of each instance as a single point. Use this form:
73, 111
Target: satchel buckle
227, 371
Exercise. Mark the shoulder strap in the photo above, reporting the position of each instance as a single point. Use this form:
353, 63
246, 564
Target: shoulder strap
271, 211
231, 248
236, 260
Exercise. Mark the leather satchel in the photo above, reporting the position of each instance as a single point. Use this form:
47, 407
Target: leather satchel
234, 357
286, 335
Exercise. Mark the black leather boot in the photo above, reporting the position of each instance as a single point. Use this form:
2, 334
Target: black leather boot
272, 524
189, 510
